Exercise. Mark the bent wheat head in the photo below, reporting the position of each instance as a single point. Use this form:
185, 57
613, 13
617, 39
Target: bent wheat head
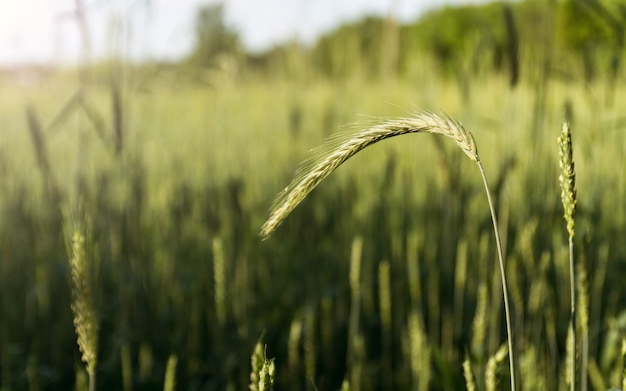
338, 150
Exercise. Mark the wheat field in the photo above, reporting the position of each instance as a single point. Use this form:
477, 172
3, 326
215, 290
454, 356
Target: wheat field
384, 277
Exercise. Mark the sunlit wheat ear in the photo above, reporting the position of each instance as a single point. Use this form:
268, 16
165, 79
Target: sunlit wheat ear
340, 148
567, 177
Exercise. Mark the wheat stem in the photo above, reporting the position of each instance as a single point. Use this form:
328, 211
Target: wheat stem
583, 315
623, 363
572, 313
505, 290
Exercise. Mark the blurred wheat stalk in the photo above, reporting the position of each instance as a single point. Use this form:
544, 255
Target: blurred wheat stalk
83, 308
567, 180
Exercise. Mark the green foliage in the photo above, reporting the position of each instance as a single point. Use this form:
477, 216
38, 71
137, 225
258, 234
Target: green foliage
470, 41
453, 35
581, 28
351, 50
585, 33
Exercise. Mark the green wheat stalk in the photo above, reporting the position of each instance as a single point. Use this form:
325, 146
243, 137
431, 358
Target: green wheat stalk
169, 384
341, 148
127, 367
219, 278
293, 343
567, 180
419, 351
623, 363
355, 299
310, 344
583, 314
479, 324
384, 297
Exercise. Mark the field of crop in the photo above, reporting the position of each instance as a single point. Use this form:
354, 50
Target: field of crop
385, 277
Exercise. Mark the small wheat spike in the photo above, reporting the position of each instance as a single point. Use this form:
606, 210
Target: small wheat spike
567, 177
263, 370
340, 149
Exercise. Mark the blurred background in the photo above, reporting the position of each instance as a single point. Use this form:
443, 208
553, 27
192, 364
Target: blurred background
162, 131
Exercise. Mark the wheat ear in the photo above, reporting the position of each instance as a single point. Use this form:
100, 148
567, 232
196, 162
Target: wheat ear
567, 180
341, 148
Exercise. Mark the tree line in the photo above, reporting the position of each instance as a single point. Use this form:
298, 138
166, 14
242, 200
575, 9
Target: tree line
518, 39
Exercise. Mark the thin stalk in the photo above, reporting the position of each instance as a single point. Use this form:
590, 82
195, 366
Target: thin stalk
92, 380
505, 290
584, 366
582, 299
572, 285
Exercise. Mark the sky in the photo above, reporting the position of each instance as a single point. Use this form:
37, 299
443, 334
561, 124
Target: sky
46, 31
